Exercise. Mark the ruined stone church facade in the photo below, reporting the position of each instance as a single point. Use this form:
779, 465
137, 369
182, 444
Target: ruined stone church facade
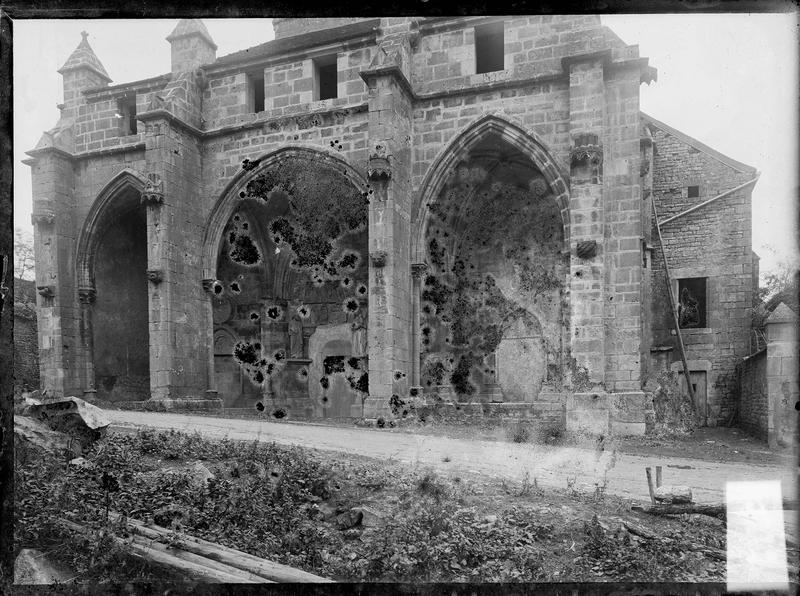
446, 209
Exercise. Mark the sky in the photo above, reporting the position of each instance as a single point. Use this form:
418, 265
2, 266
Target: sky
728, 80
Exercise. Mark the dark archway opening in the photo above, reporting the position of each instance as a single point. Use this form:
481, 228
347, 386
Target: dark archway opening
492, 312
121, 328
291, 292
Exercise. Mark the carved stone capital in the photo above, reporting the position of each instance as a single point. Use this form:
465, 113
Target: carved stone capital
46, 291
87, 295
379, 166
586, 249
45, 217
418, 270
378, 258
586, 148
155, 276
153, 193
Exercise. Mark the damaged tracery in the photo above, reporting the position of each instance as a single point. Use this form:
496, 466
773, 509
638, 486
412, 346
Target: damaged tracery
295, 262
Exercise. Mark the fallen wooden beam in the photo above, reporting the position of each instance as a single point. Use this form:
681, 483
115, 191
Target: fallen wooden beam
192, 565
639, 530
714, 553
673, 494
712, 510
218, 552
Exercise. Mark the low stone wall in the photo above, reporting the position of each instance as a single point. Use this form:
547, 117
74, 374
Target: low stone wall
178, 404
608, 413
753, 398
768, 391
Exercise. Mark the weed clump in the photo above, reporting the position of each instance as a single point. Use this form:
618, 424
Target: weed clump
519, 432
432, 486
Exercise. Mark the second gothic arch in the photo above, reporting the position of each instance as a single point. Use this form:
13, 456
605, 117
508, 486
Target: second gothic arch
512, 134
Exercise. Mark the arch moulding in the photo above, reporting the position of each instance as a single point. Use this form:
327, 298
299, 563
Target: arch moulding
91, 231
515, 135
229, 199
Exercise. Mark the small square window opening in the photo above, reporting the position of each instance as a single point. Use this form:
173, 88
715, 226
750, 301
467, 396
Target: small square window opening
257, 98
126, 107
692, 303
489, 50
325, 78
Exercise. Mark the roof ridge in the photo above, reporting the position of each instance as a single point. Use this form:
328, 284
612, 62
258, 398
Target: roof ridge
729, 161
298, 41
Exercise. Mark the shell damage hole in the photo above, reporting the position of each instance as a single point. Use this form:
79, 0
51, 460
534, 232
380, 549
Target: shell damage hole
350, 306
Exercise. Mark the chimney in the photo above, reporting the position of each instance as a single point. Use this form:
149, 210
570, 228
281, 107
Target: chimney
192, 46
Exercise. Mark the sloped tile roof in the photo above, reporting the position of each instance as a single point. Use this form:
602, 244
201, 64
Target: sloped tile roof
728, 161
298, 42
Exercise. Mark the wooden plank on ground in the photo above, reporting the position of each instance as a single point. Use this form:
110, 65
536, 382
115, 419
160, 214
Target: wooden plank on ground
224, 554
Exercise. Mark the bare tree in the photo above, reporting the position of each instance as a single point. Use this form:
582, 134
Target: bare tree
23, 254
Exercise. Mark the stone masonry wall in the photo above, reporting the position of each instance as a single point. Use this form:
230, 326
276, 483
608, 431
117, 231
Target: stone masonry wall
288, 90
712, 242
564, 76
753, 398
534, 45
297, 26
622, 216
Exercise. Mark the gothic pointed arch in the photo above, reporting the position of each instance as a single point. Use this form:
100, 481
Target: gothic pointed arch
491, 221
231, 197
118, 197
287, 245
443, 167
111, 270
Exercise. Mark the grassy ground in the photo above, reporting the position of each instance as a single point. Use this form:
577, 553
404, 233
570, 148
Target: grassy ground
290, 505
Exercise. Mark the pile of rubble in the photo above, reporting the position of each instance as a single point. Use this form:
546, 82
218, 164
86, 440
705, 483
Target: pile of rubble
61, 427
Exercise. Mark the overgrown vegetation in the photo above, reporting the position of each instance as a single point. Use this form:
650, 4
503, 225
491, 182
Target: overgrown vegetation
290, 506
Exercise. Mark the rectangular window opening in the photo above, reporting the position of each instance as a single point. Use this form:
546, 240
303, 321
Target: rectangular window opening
126, 107
257, 95
325, 78
692, 303
693, 191
489, 50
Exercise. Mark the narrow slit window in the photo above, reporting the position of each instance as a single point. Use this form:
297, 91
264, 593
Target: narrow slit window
325, 78
693, 192
127, 115
257, 96
489, 50
692, 303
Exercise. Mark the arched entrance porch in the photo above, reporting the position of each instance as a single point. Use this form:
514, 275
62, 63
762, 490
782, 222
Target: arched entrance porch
112, 286
492, 228
285, 260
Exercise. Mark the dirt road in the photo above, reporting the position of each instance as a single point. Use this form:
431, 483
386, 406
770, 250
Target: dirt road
551, 466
